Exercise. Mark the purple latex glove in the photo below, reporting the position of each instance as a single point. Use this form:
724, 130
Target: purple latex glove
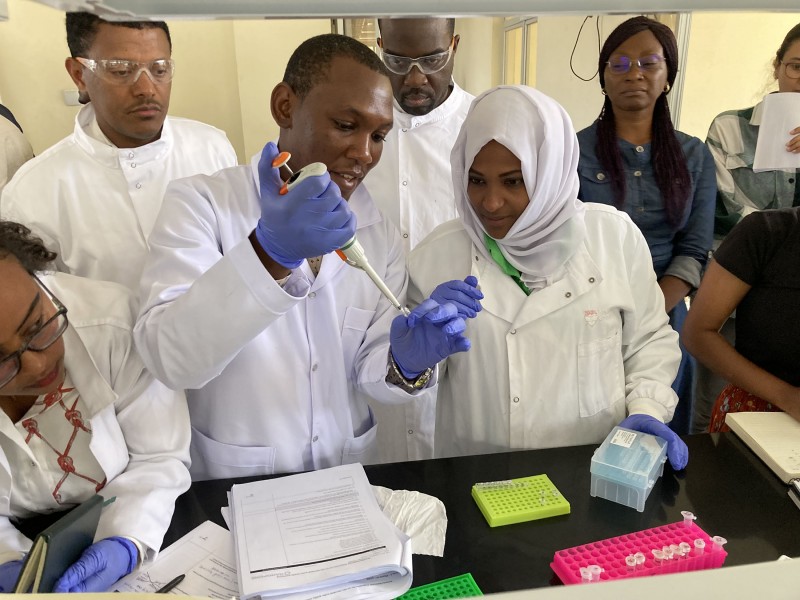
100, 566
312, 219
677, 451
9, 573
431, 333
464, 294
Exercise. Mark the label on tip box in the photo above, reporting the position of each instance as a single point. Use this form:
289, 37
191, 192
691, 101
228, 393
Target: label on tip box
624, 438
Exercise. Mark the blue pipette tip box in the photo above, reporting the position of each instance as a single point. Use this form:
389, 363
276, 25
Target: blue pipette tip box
626, 466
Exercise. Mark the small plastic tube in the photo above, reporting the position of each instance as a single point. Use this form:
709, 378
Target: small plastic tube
639, 557
586, 575
719, 542
667, 552
688, 517
685, 549
699, 546
630, 562
595, 570
658, 556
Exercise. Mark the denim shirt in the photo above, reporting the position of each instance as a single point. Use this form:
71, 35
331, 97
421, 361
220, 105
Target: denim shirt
681, 252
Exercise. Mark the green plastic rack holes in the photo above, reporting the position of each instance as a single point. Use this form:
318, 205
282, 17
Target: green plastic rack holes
462, 586
519, 500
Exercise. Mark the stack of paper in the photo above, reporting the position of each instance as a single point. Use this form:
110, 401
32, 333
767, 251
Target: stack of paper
318, 534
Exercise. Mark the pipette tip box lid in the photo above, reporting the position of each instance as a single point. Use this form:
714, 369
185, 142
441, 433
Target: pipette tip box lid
461, 586
518, 500
626, 466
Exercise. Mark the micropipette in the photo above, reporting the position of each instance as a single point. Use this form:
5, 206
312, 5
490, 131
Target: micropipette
352, 252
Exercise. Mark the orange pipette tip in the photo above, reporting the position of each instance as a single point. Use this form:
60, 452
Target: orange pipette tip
281, 160
341, 255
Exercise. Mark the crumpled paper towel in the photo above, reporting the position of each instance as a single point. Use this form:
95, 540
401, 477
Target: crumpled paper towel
421, 517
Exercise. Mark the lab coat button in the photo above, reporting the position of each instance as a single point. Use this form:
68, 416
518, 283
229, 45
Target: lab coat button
601, 176
513, 331
637, 173
404, 130
405, 235
133, 165
791, 179
410, 432
314, 367
416, 124
138, 186
568, 295
130, 154
405, 183
591, 279
516, 399
312, 295
315, 438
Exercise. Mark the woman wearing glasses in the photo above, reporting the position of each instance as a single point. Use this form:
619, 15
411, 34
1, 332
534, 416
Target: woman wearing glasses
732, 140
80, 416
632, 158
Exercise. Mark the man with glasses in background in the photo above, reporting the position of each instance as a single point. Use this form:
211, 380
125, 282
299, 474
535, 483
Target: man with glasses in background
412, 184
93, 196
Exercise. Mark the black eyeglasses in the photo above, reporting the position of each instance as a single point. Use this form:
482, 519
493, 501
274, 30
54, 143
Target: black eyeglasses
39, 341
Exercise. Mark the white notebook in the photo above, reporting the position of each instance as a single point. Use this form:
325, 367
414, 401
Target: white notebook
773, 436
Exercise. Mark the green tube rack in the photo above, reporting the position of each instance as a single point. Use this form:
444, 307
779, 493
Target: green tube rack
519, 500
462, 586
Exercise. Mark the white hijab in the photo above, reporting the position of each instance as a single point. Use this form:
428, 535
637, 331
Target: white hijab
540, 133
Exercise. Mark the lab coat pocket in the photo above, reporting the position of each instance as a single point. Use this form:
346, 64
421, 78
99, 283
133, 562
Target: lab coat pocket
601, 379
215, 460
354, 327
362, 449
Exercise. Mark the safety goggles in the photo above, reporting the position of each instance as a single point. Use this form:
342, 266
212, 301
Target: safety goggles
619, 65
39, 341
433, 63
127, 72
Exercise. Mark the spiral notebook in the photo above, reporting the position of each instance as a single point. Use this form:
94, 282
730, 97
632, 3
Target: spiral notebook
774, 437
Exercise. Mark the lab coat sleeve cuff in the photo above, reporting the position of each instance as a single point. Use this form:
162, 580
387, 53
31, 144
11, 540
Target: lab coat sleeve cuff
685, 268
651, 407
261, 284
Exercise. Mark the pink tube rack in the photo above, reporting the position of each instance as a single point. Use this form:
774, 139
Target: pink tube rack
611, 554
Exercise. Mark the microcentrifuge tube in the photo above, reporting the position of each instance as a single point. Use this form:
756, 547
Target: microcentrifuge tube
699, 546
658, 556
667, 552
586, 575
719, 542
639, 556
595, 570
630, 561
688, 517
685, 549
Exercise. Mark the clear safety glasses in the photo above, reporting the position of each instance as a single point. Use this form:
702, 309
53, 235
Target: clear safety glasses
127, 72
39, 341
433, 63
792, 69
619, 65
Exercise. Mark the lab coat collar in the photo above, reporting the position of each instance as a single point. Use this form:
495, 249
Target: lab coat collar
440, 113
508, 301
109, 155
758, 111
95, 392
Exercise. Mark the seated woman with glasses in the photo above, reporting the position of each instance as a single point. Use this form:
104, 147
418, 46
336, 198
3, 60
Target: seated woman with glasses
80, 416
632, 158
732, 140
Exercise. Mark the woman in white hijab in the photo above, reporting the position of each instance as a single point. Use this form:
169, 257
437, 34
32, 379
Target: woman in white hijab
572, 336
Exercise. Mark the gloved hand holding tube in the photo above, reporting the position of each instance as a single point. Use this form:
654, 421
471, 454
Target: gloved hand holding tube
429, 334
310, 220
677, 451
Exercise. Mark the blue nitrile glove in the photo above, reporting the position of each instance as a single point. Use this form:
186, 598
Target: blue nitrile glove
431, 333
464, 294
9, 573
312, 219
99, 567
677, 451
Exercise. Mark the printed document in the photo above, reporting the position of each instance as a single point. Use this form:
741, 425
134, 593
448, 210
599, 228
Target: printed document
781, 114
315, 534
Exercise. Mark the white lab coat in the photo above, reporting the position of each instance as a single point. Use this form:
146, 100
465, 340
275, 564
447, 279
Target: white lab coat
140, 429
564, 365
95, 204
412, 186
274, 376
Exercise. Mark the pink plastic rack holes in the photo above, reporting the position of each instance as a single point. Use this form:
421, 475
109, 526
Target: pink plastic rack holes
681, 546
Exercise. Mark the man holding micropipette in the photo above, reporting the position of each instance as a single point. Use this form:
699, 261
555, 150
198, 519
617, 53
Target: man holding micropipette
246, 305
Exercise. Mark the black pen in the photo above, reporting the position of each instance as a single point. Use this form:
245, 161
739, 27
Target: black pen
172, 584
